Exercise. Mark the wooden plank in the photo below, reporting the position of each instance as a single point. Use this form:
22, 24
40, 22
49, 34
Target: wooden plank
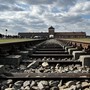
51, 52
53, 55
49, 75
54, 61
51, 49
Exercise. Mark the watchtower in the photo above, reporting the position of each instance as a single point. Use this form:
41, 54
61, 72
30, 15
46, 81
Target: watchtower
51, 32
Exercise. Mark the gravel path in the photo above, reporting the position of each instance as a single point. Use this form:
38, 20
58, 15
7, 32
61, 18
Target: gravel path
45, 85
45, 67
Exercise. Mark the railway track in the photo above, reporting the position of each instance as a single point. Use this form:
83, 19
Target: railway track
47, 66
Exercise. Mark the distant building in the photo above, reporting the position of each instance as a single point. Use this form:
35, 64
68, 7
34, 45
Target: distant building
52, 34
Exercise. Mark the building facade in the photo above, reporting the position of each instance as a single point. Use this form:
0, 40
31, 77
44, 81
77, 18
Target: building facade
52, 34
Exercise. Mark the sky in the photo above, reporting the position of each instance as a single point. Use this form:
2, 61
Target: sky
37, 15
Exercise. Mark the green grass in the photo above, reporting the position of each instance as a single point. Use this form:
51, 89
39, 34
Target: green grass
14, 40
87, 40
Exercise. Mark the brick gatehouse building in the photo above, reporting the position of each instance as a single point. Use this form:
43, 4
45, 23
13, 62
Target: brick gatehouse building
51, 33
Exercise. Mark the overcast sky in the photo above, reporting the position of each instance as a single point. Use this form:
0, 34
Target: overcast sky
38, 15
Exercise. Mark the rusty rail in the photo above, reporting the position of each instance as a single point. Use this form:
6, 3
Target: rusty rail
83, 44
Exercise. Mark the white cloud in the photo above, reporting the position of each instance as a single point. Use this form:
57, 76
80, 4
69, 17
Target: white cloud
38, 15
81, 8
66, 3
38, 2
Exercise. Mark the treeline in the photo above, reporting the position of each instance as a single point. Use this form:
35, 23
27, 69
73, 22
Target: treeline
8, 36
